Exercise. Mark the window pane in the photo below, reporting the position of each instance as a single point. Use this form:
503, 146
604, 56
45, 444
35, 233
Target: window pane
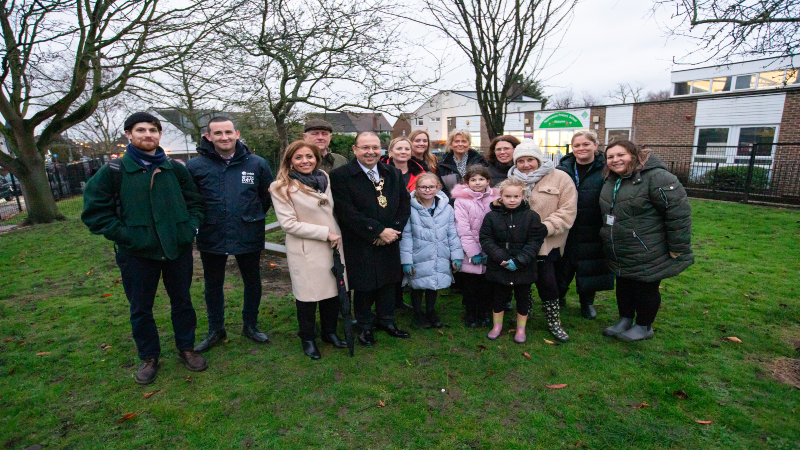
745, 82
700, 86
682, 88
770, 79
721, 84
615, 135
712, 142
791, 76
539, 137
756, 135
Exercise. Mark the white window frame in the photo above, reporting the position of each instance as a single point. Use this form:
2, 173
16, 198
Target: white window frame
418, 121
734, 132
435, 119
628, 129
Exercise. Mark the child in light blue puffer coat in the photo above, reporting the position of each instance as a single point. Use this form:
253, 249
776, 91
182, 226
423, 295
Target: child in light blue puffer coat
430, 249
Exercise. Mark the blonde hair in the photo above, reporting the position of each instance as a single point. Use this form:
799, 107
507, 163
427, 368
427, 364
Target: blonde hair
426, 176
458, 131
283, 182
511, 182
427, 156
588, 134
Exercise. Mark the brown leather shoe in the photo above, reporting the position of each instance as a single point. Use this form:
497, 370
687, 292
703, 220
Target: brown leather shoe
193, 360
147, 371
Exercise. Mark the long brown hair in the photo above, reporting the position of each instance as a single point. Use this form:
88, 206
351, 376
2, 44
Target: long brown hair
638, 154
490, 157
283, 182
427, 156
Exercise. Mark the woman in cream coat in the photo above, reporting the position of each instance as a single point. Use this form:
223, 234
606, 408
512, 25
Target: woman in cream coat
552, 194
301, 196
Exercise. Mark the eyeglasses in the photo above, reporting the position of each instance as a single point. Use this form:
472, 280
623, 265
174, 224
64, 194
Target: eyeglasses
426, 188
503, 150
374, 149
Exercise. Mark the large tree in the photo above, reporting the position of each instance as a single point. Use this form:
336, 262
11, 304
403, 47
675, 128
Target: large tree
502, 39
328, 54
56, 59
732, 29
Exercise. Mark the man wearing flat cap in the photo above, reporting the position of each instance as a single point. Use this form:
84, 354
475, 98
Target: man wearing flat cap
319, 133
150, 207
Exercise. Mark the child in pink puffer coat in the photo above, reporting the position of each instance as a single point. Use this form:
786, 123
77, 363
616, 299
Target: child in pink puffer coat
473, 199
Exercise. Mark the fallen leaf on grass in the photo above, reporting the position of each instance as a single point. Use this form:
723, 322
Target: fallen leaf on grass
499, 348
225, 341
704, 422
482, 347
641, 405
722, 403
127, 417
188, 378
441, 332
556, 386
680, 394
783, 305
549, 342
105, 295
106, 347
11, 372
381, 404
734, 339
751, 273
661, 287
705, 312
526, 354
90, 271
42, 353
7, 340
21, 343
488, 374
273, 265
150, 394
685, 292
690, 365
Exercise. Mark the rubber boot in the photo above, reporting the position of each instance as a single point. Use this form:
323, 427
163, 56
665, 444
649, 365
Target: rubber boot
497, 329
636, 333
554, 320
622, 325
519, 336
587, 306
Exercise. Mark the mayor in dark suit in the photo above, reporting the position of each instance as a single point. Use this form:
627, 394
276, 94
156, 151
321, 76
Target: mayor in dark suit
372, 207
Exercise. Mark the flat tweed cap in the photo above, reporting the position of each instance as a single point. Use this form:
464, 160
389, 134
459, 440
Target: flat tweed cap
318, 124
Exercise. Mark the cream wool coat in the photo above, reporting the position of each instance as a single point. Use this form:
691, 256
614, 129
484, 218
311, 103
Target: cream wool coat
555, 199
307, 219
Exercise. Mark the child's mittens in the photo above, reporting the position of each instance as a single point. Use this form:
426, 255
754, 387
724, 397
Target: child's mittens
510, 265
457, 264
408, 269
477, 259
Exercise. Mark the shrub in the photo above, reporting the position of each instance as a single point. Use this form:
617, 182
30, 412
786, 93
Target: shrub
735, 177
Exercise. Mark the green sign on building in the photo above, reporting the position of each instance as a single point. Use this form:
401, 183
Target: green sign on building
562, 119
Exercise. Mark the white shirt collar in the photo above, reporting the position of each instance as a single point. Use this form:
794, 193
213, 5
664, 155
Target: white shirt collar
366, 170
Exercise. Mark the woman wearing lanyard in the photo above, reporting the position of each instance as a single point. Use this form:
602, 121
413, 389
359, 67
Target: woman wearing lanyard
647, 230
583, 256
301, 196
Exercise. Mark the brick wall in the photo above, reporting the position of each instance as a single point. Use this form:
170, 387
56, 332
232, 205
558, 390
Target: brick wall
401, 126
600, 112
666, 124
790, 130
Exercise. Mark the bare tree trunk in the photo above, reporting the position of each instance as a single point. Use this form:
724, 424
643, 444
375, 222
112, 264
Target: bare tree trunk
39, 201
283, 133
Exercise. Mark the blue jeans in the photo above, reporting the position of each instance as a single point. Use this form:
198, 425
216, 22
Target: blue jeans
214, 275
140, 278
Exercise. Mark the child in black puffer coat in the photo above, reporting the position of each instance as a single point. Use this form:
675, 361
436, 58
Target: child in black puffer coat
511, 235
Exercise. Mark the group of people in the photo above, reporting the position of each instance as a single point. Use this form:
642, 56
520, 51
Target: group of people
494, 225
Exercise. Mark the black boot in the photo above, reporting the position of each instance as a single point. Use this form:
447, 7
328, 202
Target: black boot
334, 340
310, 349
420, 320
587, 311
433, 318
212, 339
253, 333
562, 302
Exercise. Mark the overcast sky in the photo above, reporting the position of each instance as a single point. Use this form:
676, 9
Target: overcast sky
609, 41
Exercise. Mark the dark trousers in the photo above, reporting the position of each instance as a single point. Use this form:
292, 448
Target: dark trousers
383, 299
565, 273
638, 299
522, 293
306, 315
398, 296
214, 275
477, 295
546, 281
140, 280
430, 300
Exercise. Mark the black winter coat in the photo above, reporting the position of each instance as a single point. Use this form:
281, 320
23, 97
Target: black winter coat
652, 217
448, 172
498, 171
584, 248
515, 234
355, 205
236, 195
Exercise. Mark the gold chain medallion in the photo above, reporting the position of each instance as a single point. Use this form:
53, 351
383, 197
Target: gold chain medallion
381, 198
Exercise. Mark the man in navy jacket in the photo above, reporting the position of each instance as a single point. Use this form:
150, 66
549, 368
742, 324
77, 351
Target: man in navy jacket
235, 186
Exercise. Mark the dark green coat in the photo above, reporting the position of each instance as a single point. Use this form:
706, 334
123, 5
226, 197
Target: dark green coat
157, 221
652, 218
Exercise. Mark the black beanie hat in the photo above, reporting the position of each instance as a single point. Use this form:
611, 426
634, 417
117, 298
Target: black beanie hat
139, 117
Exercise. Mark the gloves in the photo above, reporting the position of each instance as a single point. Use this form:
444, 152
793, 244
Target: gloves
511, 266
408, 269
477, 259
457, 264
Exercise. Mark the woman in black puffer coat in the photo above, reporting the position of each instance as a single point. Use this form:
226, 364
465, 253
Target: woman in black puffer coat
511, 235
500, 158
647, 232
583, 257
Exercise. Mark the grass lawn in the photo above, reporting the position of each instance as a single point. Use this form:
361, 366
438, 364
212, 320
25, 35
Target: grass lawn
60, 303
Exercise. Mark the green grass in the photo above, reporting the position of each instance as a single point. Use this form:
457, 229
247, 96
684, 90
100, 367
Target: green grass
52, 299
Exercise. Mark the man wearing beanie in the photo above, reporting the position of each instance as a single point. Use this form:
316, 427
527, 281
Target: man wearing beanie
150, 207
319, 132
235, 186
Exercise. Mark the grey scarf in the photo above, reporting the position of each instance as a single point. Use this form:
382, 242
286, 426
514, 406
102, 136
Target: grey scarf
461, 166
532, 178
